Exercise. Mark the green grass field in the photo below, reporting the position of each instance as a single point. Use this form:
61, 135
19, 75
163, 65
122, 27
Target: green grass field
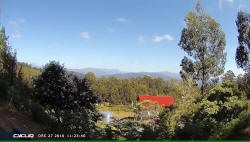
119, 111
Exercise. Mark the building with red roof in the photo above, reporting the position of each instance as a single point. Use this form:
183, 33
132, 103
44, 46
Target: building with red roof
161, 100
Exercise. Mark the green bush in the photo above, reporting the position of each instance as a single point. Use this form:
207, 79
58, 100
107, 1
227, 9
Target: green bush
17, 98
148, 133
220, 115
130, 129
38, 114
3, 89
173, 119
232, 128
125, 129
110, 131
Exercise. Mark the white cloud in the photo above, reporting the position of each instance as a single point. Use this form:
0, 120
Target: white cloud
111, 30
85, 35
163, 37
18, 22
16, 35
222, 1
122, 20
141, 39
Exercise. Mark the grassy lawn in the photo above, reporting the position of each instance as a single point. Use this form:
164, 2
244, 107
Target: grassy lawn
119, 111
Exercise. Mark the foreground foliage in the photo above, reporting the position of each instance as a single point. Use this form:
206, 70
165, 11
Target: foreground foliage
67, 99
220, 115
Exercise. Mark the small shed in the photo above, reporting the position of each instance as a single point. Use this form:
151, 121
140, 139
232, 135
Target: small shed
162, 100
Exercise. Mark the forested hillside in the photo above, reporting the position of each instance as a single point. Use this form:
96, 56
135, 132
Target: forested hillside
29, 72
126, 91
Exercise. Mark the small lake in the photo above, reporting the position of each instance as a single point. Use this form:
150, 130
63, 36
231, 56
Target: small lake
107, 116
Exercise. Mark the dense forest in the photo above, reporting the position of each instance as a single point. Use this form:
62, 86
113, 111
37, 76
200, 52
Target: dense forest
216, 109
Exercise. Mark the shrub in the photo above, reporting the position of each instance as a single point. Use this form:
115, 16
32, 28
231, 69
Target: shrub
3, 89
110, 131
172, 120
131, 129
38, 114
230, 129
219, 115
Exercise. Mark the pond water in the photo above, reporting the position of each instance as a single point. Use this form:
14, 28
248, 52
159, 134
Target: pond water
107, 116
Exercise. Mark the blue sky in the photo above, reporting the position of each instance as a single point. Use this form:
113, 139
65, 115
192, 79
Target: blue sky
129, 35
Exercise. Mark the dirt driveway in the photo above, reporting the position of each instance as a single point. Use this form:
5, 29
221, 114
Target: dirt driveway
14, 119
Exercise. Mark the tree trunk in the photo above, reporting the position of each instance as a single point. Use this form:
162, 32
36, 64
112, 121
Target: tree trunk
202, 86
58, 116
203, 73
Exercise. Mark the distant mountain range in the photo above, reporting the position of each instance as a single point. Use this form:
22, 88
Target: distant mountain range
165, 75
99, 72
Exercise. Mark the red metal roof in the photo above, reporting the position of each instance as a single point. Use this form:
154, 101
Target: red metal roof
162, 100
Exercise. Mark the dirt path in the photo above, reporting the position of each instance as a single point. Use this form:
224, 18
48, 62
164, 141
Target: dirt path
13, 119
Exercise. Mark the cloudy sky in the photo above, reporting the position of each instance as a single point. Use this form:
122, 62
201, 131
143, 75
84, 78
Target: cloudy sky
129, 35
